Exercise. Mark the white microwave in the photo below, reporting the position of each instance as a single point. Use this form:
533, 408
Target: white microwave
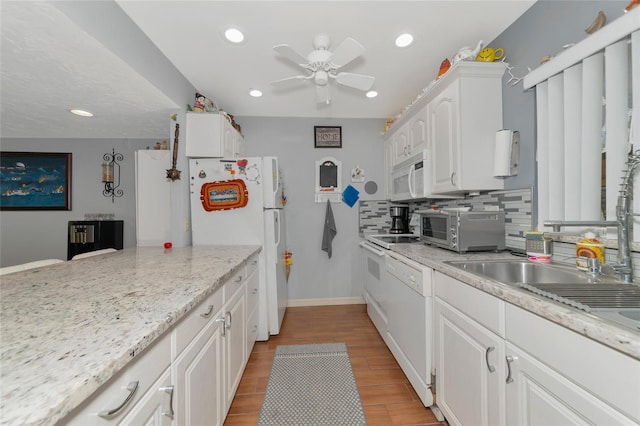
411, 179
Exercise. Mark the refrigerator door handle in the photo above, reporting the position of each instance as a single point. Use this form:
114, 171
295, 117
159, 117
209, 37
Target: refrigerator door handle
277, 220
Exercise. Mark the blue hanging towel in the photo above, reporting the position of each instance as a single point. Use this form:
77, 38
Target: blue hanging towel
329, 231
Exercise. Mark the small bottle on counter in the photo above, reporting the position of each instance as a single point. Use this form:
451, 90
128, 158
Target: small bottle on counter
589, 247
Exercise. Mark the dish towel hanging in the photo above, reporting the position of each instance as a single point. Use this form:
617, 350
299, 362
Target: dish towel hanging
329, 231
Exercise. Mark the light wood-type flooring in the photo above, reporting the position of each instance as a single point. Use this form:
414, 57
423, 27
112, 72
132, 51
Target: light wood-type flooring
386, 394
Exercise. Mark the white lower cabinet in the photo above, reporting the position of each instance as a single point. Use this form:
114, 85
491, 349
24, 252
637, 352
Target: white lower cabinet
498, 364
190, 375
561, 377
539, 395
234, 342
198, 372
469, 366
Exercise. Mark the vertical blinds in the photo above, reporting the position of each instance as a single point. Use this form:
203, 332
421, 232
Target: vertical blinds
585, 100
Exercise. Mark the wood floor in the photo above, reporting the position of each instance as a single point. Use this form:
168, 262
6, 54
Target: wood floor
386, 394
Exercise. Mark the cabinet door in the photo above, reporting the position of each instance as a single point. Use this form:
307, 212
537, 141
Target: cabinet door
228, 140
539, 396
400, 144
155, 408
444, 140
235, 337
388, 167
204, 134
199, 382
470, 369
418, 132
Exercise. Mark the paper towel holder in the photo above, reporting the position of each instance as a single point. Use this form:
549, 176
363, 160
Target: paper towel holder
507, 153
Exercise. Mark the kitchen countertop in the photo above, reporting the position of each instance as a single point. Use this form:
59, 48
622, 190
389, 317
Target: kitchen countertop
623, 339
67, 328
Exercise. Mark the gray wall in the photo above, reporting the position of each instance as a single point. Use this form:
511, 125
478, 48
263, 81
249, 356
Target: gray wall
313, 274
33, 235
542, 30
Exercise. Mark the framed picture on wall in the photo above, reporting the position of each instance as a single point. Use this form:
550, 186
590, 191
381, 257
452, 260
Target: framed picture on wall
35, 181
327, 136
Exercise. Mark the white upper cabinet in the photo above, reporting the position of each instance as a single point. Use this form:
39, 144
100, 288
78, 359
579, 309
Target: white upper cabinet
463, 120
456, 119
212, 135
411, 138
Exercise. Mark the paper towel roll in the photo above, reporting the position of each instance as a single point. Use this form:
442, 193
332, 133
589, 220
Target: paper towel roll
502, 153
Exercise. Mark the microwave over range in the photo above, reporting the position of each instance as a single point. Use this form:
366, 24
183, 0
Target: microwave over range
463, 231
411, 179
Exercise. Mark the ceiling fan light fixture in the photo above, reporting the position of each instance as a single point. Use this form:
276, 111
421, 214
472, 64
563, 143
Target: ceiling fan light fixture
255, 93
404, 40
372, 94
234, 35
81, 113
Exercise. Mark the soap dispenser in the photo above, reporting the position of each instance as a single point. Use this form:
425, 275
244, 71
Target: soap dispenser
589, 247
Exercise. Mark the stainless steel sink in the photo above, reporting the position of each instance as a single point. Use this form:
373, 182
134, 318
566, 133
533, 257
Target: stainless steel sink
604, 297
515, 272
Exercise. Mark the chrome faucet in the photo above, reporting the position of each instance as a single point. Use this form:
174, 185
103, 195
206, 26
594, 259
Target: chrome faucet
623, 267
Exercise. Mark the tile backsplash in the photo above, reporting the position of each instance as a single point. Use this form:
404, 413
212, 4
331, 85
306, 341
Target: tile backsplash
374, 215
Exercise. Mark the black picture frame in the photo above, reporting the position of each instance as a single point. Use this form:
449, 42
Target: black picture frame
35, 181
327, 136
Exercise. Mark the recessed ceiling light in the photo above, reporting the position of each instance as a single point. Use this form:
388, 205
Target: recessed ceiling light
234, 35
81, 113
404, 40
372, 94
255, 93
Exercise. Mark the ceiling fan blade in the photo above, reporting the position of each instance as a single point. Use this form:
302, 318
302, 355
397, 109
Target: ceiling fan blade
286, 51
348, 50
290, 81
322, 94
357, 81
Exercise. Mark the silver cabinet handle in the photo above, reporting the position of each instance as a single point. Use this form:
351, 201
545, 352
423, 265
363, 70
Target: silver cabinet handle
132, 388
453, 182
239, 279
230, 318
169, 390
486, 358
510, 359
224, 325
208, 313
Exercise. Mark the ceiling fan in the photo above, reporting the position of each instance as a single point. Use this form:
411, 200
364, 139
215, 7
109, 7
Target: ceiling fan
322, 65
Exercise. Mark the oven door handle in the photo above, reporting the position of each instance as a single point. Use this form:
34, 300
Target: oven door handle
372, 249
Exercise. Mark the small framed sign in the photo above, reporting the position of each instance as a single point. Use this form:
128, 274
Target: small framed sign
327, 136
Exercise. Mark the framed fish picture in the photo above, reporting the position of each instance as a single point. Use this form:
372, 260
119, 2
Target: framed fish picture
35, 181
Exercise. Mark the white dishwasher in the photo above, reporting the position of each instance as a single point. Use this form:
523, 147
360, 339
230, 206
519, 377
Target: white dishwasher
410, 321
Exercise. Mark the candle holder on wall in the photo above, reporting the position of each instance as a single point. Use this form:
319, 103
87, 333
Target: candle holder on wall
111, 174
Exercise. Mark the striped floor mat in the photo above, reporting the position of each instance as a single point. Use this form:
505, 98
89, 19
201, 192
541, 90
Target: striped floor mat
311, 385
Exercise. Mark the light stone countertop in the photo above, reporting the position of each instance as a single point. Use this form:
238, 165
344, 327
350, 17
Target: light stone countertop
623, 339
67, 328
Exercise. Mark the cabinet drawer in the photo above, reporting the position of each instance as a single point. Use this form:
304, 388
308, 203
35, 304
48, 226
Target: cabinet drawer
482, 307
194, 321
144, 370
607, 373
233, 284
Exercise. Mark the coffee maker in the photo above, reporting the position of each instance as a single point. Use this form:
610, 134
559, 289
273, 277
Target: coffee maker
399, 220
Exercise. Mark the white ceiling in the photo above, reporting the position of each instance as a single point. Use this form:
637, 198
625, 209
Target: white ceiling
49, 64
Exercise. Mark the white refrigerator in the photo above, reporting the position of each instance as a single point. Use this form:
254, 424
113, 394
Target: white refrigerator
240, 201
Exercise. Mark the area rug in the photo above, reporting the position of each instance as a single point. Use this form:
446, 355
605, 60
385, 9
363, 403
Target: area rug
311, 385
